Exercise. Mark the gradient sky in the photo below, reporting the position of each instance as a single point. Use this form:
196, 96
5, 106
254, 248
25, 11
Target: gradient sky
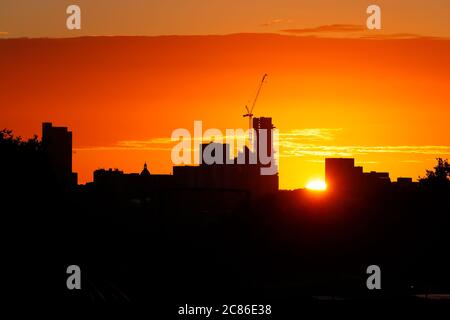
46, 18
384, 101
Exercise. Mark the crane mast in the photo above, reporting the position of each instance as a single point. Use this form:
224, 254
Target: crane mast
249, 113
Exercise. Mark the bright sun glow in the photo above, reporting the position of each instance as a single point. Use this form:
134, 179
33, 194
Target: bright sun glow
317, 184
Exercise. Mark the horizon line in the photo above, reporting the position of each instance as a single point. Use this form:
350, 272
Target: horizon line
379, 37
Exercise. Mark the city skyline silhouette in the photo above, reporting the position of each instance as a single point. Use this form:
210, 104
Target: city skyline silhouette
211, 236
340, 173
345, 173
369, 105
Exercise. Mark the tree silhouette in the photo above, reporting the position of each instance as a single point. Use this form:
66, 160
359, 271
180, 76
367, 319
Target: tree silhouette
439, 177
10, 143
21, 161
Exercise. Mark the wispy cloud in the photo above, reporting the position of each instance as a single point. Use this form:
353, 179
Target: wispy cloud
154, 144
310, 142
3, 33
351, 31
310, 134
143, 144
393, 36
165, 143
293, 149
411, 161
330, 28
275, 21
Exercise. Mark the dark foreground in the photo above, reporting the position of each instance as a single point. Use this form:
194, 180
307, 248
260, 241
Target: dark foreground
291, 250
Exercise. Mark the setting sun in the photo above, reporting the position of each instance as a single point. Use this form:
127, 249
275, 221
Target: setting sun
316, 184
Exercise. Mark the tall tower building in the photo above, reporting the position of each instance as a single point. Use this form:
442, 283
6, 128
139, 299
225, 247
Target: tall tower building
57, 144
263, 129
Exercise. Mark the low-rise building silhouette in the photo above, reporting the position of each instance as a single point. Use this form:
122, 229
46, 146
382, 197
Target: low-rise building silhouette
342, 175
115, 180
216, 172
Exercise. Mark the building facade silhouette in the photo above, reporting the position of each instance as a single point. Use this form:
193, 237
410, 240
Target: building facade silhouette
57, 146
341, 175
221, 174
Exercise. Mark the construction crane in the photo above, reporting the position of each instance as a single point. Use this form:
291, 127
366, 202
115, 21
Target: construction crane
249, 113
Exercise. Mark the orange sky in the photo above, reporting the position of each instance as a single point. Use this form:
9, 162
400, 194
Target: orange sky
46, 18
384, 102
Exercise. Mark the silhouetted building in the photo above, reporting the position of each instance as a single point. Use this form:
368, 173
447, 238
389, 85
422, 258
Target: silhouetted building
405, 184
342, 175
404, 181
263, 128
374, 177
218, 174
242, 177
114, 180
219, 152
145, 172
57, 144
231, 174
102, 176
